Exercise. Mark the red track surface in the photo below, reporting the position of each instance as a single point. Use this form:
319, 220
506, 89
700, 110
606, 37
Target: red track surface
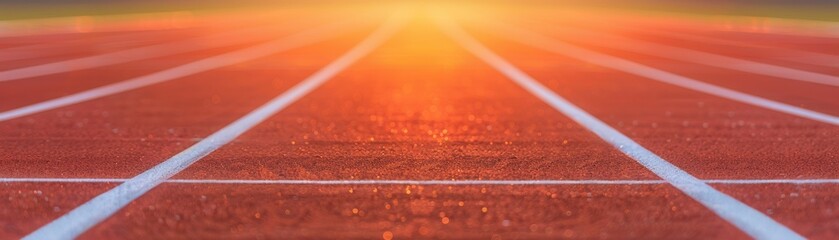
418, 107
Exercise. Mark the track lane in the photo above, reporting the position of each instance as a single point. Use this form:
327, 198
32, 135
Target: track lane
814, 97
709, 137
745, 218
45, 41
715, 57
90, 45
139, 53
807, 208
814, 44
59, 51
749, 51
279, 44
103, 206
16, 94
337, 126
28, 206
127, 133
249, 211
751, 34
637, 105
409, 211
807, 95
420, 120
138, 116
787, 52
66, 27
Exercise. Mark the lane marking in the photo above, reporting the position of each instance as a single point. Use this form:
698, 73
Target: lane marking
82, 218
549, 44
51, 48
148, 37
791, 54
757, 25
427, 182
304, 38
747, 219
68, 25
704, 58
138, 53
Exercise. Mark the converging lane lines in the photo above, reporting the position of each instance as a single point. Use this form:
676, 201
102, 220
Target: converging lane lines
51, 48
106, 204
549, 44
791, 54
304, 38
747, 219
135, 54
423, 182
705, 58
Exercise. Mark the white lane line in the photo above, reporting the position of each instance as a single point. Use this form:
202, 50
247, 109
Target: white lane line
289, 42
99, 23
137, 53
106, 204
795, 55
744, 24
426, 182
747, 219
620, 64
700, 57
773, 181
44, 49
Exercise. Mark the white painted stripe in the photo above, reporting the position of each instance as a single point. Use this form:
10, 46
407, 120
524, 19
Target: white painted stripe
556, 46
344, 182
297, 40
747, 219
107, 23
103, 206
137, 53
62, 180
426, 182
757, 25
704, 58
790, 54
52, 48
773, 181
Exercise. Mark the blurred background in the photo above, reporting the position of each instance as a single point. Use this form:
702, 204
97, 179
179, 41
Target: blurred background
802, 9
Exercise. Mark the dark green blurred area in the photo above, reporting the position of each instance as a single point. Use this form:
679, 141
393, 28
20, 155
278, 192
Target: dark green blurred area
802, 9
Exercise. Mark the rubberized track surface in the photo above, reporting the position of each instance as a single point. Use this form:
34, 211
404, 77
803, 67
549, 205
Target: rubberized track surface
424, 123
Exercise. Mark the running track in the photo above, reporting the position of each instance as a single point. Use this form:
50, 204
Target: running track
420, 122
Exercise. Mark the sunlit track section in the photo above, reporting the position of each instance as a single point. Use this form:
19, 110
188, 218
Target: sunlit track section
103, 206
304, 38
700, 57
790, 54
141, 53
539, 182
747, 219
549, 44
